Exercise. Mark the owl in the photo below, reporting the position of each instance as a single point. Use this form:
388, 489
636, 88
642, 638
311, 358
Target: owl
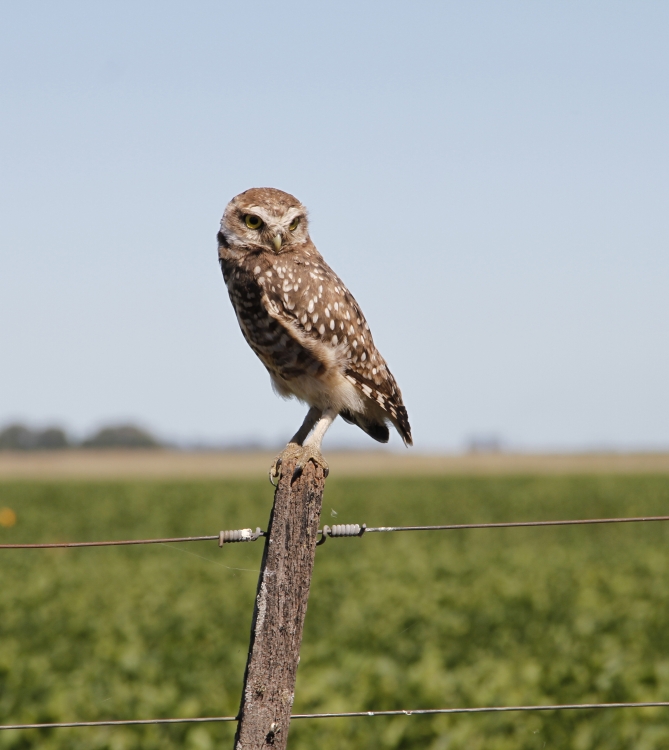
304, 325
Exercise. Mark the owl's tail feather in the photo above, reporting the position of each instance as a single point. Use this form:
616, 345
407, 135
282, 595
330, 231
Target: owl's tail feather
377, 430
402, 425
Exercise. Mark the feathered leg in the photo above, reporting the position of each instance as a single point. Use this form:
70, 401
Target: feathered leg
304, 449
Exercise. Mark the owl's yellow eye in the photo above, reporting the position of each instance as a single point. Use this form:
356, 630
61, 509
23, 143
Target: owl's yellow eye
294, 223
252, 222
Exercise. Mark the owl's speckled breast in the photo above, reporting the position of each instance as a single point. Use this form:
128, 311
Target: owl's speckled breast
282, 355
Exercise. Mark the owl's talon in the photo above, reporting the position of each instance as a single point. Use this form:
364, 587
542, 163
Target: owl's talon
309, 453
291, 451
301, 454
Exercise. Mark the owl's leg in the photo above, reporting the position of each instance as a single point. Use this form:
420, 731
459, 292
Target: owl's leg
305, 450
294, 447
312, 445
313, 415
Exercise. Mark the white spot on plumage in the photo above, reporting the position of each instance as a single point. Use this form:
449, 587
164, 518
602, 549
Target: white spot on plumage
257, 270
321, 329
332, 324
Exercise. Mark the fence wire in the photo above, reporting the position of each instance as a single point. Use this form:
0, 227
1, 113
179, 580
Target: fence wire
341, 530
114, 543
515, 524
346, 715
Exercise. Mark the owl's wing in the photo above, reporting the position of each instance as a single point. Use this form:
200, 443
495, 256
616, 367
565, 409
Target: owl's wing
319, 312
387, 395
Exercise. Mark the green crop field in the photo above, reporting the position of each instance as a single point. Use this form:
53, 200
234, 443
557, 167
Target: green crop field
410, 620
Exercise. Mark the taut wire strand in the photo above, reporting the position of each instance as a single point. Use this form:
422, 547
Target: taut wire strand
343, 530
115, 543
515, 524
346, 715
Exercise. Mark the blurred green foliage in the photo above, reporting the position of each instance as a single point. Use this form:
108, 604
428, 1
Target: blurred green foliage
406, 620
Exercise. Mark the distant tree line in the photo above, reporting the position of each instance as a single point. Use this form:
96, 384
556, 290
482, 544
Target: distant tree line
19, 437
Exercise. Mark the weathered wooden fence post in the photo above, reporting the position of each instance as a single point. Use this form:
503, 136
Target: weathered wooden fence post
280, 607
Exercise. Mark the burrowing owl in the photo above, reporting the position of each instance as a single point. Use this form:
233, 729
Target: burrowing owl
304, 324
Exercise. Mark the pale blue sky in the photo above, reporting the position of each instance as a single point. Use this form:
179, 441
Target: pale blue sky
490, 179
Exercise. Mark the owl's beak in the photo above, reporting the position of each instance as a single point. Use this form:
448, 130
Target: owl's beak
277, 242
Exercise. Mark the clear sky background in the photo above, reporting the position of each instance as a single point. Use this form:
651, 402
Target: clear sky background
490, 179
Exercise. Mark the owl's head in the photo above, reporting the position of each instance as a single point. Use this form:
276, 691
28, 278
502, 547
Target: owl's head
264, 219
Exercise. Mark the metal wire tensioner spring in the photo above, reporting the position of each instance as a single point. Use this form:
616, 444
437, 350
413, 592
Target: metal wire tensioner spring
342, 529
239, 535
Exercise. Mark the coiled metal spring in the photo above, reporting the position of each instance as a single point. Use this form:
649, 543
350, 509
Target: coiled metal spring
342, 529
239, 535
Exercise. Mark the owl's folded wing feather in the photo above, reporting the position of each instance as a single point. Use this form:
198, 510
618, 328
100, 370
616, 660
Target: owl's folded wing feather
326, 319
387, 395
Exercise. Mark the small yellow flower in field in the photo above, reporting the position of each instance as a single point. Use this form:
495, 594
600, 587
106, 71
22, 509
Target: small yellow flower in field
7, 517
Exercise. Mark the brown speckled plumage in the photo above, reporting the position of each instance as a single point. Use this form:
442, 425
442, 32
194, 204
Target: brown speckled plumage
299, 317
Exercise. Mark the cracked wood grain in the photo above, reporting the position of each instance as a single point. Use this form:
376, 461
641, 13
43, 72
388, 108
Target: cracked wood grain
280, 608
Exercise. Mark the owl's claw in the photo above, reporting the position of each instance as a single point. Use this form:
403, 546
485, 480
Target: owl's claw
301, 454
291, 451
310, 453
